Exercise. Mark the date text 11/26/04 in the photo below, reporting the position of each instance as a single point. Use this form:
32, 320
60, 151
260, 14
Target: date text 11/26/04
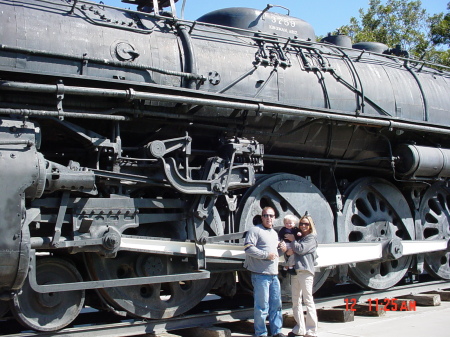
386, 304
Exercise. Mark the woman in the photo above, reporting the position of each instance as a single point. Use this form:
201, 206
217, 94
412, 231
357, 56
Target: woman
302, 283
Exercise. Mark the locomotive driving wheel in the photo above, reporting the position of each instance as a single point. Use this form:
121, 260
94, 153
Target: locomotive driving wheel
376, 211
435, 225
153, 301
287, 194
159, 300
49, 311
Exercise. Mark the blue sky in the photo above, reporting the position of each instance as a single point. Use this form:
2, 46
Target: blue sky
324, 15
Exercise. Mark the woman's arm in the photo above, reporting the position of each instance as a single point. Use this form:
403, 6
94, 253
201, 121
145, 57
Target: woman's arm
305, 246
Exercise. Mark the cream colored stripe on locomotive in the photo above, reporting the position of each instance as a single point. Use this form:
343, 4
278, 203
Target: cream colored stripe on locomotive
330, 254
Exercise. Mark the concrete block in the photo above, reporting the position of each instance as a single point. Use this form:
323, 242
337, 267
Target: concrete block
335, 315
207, 332
424, 299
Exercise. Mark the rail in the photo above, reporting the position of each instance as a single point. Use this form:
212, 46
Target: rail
130, 327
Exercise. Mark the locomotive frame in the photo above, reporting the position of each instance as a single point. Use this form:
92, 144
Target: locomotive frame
136, 175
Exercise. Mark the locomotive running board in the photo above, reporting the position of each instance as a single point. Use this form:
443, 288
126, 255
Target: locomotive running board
50, 288
330, 254
343, 253
169, 247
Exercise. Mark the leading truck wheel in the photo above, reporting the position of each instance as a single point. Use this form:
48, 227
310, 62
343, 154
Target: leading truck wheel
435, 225
287, 194
49, 311
376, 211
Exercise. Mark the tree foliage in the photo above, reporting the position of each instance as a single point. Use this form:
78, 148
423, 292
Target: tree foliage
440, 28
404, 23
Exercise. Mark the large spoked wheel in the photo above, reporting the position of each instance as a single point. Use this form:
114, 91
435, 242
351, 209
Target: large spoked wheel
159, 300
375, 210
49, 311
435, 225
288, 194
153, 301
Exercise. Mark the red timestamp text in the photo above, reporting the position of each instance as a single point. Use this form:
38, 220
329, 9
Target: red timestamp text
385, 304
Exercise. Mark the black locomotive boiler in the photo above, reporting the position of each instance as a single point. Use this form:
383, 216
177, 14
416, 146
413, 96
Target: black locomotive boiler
136, 148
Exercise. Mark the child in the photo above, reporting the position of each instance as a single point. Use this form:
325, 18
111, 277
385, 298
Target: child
290, 227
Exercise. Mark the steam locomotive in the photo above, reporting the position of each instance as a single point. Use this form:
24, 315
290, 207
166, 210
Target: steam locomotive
136, 148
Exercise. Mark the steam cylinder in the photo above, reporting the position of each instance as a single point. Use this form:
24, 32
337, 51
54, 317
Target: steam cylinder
423, 161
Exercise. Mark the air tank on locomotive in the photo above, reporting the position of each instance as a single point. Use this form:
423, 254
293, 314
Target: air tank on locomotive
133, 141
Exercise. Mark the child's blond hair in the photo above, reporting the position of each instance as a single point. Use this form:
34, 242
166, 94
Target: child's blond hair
292, 218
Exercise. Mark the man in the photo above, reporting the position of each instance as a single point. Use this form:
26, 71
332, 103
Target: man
261, 258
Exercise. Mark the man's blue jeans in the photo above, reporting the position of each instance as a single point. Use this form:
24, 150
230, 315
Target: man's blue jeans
267, 296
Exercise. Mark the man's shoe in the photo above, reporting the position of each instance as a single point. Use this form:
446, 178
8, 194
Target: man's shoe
291, 334
283, 272
292, 271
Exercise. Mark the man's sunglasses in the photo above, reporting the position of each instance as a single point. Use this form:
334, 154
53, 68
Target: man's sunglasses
268, 215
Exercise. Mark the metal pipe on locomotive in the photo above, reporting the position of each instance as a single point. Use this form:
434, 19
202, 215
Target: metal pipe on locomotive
136, 148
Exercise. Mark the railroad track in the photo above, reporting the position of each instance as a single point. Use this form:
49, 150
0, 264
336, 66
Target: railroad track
208, 313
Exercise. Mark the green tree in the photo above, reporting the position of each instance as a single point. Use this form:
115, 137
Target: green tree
404, 23
440, 28
440, 38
